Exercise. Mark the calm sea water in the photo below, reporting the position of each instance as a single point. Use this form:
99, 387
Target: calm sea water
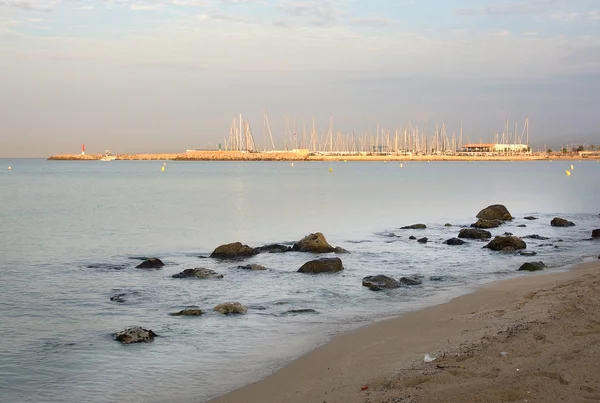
71, 234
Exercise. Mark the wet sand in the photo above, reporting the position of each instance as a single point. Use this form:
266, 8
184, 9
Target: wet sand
532, 338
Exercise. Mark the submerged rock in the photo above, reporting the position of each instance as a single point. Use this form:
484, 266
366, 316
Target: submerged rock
232, 251
561, 222
527, 253
415, 226
200, 273
485, 224
455, 241
255, 267
412, 237
135, 335
188, 312
228, 308
313, 243
273, 248
379, 282
436, 278
521, 226
118, 298
339, 250
532, 266
495, 212
447, 224
472, 233
410, 281
423, 240
302, 310
152, 263
536, 236
324, 265
596, 233
530, 217
506, 243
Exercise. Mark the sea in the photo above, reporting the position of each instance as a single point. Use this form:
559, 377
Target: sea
72, 232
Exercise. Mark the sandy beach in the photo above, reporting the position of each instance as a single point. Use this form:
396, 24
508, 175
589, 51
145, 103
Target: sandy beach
532, 338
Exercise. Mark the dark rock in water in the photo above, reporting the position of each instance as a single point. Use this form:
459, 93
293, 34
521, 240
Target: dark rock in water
506, 243
200, 273
472, 233
339, 250
423, 240
297, 311
532, 266
485, 224
152, 263
412, 237
536, 236
232, 251
107, 266
410, 281
530, 217
527, 253
324, 265
561, 222
596, 233
228, 308
135, 335
313, 243
495, 212
507, 234
379, 282
521, 226
447, 224
415, 226
188, 312
255, 267
118, 298
436, 278
273, 248
455, 241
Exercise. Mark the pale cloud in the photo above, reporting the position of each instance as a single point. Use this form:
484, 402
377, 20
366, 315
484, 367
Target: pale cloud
31, 5
147, 6
371, 22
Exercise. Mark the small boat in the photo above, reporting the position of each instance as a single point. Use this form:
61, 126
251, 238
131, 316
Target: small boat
108, 156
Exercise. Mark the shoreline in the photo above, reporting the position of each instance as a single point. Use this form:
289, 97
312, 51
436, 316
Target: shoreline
535, 319
303, 155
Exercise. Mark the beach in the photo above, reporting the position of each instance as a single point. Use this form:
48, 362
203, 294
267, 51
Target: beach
532, 338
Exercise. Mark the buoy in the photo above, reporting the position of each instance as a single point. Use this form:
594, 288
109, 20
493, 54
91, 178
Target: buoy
330, 169
162, 168
571, 166
9, 168
567, 173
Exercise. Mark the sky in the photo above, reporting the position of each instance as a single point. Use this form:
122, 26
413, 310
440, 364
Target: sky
170, 75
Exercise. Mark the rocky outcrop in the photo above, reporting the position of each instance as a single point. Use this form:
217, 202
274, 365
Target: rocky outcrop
188, 312
485, 224
506, 243
536, 236
561, 222
532, 266
273, 248
232, 251
340, 251
472, 233
410, 281
447, 224
135, 335
379, 282
454, 241
313, 243
530, 217
495, 212
412, 237
152, 263
423, 240
596, 233
200, 273
415, 226
254, 267
228, 308
324, 265
118, 298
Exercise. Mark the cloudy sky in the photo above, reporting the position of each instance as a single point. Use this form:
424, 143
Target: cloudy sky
168, 75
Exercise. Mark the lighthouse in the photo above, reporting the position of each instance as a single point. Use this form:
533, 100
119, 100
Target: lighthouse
83, 149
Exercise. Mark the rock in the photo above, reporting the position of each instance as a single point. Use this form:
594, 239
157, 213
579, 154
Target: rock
471, 233
255, 267
380, 282
273, 248
455, 241
507, 243
561, 222
152, 263
297, 311
423, 240
410, 281
339, 250
532, 266
507, 233
232, 251
536, 236
200, 273
415, 226
436, 278
188, 312
412, 237
521, 226
118, 298
447, 224
313, 243
527, 253
596, 233
530, 217
485, 224
325, 265
495, 212
135, 335
227, 308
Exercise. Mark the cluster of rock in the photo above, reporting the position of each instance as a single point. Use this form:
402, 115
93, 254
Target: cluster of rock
381, 282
